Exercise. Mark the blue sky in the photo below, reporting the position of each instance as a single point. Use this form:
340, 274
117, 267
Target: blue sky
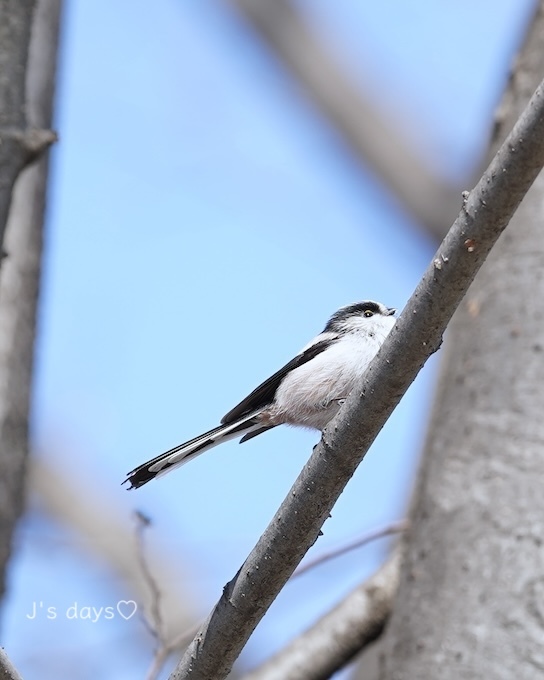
203, 224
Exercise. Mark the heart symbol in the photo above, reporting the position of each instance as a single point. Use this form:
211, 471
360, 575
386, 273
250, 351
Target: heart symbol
127, 608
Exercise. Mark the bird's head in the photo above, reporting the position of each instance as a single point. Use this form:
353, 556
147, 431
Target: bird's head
366, 316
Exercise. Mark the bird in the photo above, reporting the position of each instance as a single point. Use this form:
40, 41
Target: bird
308, 391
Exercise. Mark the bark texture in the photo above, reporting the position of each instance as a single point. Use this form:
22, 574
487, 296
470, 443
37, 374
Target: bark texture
471, 599
20, 276
7, 670
15, 23
332, 641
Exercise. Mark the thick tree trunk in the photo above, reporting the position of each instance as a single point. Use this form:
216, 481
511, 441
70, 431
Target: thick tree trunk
471, 599
20, 276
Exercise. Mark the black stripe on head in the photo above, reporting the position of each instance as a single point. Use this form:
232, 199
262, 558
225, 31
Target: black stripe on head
336, 322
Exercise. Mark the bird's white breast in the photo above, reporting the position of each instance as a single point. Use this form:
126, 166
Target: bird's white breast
309, 394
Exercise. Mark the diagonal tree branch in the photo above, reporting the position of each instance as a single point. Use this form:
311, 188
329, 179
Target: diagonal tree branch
7, 669
418, 333
333, 641
393, 528
15, 24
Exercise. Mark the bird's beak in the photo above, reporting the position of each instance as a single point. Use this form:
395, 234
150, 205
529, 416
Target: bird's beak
391, 311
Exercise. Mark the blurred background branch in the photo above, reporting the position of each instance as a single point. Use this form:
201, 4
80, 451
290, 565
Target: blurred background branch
334, 639
376, 137
367, 537
102, 526
20, 272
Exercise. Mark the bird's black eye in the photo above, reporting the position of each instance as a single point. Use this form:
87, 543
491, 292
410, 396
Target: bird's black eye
368, 313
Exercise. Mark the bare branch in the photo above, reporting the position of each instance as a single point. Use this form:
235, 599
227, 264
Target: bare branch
371, 614
32, 142
7, 669
154, 621
363, 624
19, 145
159, 659
166, 648
103, 527
417, 334
20, 275
333, 641
394, 528
376, 140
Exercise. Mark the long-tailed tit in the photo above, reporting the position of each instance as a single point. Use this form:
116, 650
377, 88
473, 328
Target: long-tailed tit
308, 391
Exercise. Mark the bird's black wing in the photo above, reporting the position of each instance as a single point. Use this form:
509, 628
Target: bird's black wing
264, 394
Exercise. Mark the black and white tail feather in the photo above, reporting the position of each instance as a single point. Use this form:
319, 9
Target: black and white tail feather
307, 391
183, 453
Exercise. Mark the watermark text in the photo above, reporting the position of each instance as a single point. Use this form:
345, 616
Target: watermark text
124, 609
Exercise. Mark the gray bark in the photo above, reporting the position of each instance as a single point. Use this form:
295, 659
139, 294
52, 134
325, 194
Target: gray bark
15, 23
7, 669
19, 144
471, 599
20, 275
418, 332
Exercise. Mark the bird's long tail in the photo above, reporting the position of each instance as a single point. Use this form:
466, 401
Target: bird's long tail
247, 427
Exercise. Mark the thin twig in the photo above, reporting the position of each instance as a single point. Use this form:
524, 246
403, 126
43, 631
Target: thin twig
154, 622
164, 649
394, 528
159, 659
103, 526
334, 639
